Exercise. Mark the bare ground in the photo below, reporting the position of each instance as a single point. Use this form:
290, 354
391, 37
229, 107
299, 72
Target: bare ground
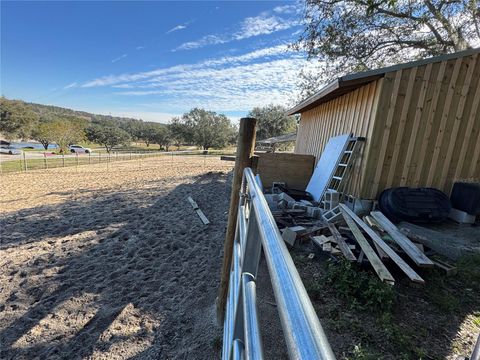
111, 262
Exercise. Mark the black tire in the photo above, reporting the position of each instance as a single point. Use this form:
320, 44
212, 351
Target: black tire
87, 152
10, 153
72, 151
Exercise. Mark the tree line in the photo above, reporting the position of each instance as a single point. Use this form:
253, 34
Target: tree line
199, 127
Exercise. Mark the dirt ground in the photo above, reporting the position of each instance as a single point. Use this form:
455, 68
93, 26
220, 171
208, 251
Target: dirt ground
111, 261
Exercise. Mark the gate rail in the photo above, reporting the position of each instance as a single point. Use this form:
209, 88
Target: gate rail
255, 229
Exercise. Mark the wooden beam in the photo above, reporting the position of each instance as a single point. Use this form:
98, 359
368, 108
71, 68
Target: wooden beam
377, 264
410, 249
199, 212
245, 148
341, 243
412, 275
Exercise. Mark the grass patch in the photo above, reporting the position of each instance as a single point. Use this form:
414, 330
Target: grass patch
359, 288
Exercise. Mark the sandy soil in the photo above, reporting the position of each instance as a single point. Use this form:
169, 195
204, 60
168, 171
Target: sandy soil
111, 262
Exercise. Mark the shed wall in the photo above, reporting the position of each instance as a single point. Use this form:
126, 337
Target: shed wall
350, 113
427, 128
422, 126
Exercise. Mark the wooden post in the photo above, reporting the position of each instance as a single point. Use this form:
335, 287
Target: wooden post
89, 158
45, 160
25, 161
63, 159
245, 148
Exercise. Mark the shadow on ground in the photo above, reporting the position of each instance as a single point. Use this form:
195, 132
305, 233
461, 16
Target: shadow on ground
130, 274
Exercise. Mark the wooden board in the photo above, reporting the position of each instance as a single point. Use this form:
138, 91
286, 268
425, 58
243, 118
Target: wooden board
199, 212
375, 261
293, 169
347, 252
326, 166
412, 275
410, 249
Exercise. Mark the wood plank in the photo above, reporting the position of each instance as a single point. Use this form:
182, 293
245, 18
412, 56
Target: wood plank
468, 133
410, 249
412, 275
293, 169
341, 243
202, 216
416, 124
397, 146
429, 122
457, 122
443, 122
386, 132
377, 264
192, 202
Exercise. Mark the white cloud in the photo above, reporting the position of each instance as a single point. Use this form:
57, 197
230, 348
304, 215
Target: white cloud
286, 9
71, 85
119, 58
263, 24
176, 28
140, 47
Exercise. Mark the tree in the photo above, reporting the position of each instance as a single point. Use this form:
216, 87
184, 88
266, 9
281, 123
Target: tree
272, 121
161, 136
177, 131
65, 132
357, 35
107, 135
207, 128
44, 133
16, 119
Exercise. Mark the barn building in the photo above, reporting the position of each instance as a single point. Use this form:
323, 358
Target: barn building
420, 119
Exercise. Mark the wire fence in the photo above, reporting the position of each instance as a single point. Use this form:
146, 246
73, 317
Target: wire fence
29, 161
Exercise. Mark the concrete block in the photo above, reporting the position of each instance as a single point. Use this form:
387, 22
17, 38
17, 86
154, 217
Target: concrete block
289, 235
286, 197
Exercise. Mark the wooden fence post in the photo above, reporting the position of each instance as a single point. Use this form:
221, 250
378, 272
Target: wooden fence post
63, 159
245, 148
45, 160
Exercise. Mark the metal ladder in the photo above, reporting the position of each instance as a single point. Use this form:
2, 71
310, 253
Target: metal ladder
340, 176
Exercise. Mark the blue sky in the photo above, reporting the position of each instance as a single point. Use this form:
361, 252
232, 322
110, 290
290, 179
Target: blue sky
151, 60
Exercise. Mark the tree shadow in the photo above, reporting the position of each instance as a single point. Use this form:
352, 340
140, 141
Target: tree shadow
142, 258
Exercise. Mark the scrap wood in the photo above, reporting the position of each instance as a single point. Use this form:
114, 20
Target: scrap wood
199, 212
410, 249
412, 275
377, 264
320, 240
341, 243
449, 269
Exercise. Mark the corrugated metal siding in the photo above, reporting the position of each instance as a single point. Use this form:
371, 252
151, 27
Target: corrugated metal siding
351, 113
427, 130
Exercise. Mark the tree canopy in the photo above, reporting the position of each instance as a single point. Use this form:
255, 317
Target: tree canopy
355, 35
16, 120
206, 128
65, 132
107, 135
272, 121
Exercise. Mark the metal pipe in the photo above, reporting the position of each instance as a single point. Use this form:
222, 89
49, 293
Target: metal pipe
253, 340
476, 351
304, 335
238, 350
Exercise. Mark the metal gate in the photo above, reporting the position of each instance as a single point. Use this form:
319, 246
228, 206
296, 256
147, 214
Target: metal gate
255, 229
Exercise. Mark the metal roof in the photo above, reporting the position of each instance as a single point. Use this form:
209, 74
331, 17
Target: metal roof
348, 83
278, 139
